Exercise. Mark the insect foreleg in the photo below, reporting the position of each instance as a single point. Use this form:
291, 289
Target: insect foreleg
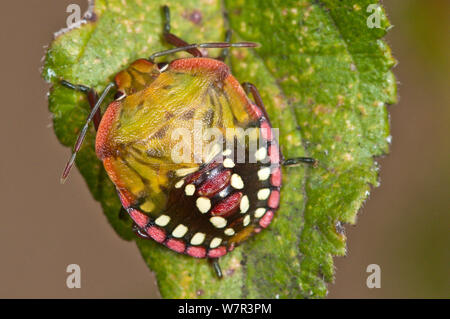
251, 88
216, 266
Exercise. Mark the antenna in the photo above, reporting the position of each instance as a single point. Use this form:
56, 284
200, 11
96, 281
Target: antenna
205, 46
83, 132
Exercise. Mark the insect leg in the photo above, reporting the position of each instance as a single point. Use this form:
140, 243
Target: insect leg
92, 97
225, 52
250, 88
172, 38
83, 132
298, 160
216, 266
138, 231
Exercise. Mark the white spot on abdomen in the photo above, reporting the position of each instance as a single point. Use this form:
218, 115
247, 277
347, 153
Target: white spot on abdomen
189, 189
246, 220
215, 242
264, 173
245, 204
179, 184
162, 220
186, 171
259, 212
237, 182
197, 239
228, 163
218, 222
179, 231
203, 204
263, 193
229, 232
261, 154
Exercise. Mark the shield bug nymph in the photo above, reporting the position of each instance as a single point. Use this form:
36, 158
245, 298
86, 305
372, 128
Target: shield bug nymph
206, 205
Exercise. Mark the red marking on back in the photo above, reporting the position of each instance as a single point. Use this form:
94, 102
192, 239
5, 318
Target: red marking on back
215, 68
227, 206
275, 178
197, 252
266, 219
266, 131
257, 230
176, 245
215, 184
274, 199
138, 217
217, 252
102, 147
274, 154
156, 233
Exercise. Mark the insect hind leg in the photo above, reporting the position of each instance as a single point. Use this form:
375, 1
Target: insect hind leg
216, 266
140, 232
300, 160
251, 88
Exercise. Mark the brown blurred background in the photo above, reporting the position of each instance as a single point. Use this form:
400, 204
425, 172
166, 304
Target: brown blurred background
404, 227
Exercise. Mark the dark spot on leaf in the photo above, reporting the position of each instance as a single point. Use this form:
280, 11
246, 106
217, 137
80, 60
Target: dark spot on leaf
199, 292
194, 16
230, 272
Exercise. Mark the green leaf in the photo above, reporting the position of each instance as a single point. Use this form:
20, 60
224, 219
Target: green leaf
325, 78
